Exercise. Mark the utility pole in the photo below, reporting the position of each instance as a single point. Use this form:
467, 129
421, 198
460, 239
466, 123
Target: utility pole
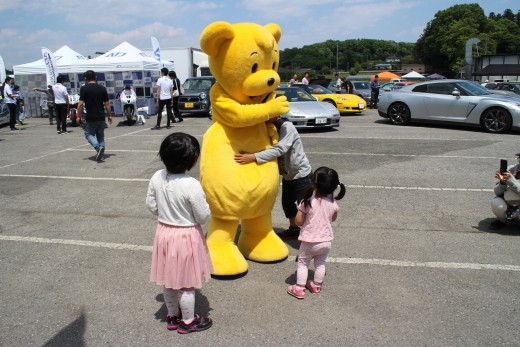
337, 54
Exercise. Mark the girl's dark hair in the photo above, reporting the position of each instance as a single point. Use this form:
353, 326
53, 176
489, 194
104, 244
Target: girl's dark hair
326, 181
179, 152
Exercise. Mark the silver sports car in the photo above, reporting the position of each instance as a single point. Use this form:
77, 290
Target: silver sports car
306, 112
457, 101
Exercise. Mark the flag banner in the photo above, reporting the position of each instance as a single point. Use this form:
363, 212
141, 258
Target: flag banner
156, 50
2, 70
50, 65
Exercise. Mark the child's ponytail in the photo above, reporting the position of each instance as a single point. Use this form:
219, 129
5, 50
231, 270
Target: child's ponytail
342, 192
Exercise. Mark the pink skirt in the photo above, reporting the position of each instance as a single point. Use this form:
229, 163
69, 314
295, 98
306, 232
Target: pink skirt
180, 257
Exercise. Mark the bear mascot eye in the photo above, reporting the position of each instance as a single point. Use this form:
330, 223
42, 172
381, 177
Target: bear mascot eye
254, 68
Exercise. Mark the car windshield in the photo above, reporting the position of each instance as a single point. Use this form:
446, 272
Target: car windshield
294, 94
315, 89
200, 84
471, 88
362, 85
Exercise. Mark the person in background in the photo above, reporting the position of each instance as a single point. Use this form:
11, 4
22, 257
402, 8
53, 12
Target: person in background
180, 257
374, 95
61, 102
293, 166
128, 91
306, 78
94, 98
164, 95
293, 80
338, 84
176, 95
316, 213
20, 112
10, 101
509, 180
50, 101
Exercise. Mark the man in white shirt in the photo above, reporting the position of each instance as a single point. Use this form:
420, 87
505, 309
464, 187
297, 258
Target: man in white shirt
306, 78
339, 82
164, 94
9, 99
61, 102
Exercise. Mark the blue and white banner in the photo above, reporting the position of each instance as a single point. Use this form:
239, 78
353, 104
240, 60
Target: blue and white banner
50, 65
156, 50
2, 70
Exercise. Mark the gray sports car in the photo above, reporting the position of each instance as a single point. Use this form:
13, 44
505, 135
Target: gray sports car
457, 101
306, 112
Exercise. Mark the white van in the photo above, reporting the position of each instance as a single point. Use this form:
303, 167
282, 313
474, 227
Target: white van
397, 80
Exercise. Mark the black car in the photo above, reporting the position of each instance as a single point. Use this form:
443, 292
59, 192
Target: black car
195, 97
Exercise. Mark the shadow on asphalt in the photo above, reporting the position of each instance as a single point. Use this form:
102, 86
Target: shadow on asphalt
71, 335
510, 229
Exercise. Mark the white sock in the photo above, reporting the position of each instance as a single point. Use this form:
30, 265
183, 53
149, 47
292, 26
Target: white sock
187, 305
171, 300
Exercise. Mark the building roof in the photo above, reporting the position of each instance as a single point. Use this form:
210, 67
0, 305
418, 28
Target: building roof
499, 70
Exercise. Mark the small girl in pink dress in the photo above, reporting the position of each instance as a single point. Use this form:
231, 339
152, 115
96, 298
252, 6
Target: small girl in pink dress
316, 212
180, 260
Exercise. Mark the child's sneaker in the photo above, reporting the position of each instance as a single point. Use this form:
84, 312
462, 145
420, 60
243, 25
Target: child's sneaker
313, 287
172, 322
198, 324
296, 291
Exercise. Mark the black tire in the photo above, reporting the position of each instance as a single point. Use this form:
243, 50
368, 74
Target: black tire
73, 120
496, 120
129, 115
399, 114
330, 102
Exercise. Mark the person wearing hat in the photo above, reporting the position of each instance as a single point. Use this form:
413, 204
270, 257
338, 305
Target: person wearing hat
506, 203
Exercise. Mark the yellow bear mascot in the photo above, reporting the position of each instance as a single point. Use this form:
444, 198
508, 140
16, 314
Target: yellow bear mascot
244, 59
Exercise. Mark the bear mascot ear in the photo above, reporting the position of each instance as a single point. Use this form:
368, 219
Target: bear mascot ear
214, 35
275, 30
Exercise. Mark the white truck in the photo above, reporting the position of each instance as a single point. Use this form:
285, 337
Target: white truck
188, 61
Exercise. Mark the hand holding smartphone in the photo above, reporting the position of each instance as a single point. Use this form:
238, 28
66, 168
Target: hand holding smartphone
503, 166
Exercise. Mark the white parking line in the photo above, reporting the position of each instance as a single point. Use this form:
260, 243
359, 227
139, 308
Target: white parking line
336, 260
353, 186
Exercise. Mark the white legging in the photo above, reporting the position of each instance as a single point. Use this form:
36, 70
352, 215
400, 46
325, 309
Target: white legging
308, 251
499, 208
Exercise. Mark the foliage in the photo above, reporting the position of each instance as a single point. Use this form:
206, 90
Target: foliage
442, 44
443, 41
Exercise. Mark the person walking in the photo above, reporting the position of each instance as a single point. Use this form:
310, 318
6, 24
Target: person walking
164, 93
180, 257
293, 166
50, 101
316, 213
374, 95
175, 96
94, 98
338, 84
61, 102
10, 101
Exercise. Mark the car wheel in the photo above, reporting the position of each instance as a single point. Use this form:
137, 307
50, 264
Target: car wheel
399, 114
330, 102
496, 120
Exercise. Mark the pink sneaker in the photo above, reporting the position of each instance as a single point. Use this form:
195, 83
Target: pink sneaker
296, 291
313, 287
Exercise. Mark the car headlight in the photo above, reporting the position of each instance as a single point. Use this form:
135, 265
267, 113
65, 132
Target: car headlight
202, 96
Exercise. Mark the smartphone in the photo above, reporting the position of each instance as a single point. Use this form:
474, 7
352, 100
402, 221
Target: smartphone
503, 166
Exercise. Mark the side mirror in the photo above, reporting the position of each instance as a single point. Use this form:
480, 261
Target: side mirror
456, 93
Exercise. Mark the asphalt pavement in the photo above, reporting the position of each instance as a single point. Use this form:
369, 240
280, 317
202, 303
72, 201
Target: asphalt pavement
413, 262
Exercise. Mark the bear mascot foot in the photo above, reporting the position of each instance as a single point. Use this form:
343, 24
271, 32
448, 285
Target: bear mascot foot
259, 242
225, 256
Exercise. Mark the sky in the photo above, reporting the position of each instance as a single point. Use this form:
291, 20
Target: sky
90, 26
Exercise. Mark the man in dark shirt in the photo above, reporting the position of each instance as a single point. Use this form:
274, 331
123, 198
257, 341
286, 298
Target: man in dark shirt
94, 98
374, 95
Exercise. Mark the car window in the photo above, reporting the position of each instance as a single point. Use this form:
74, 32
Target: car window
470, 88
362, 85
441, 88
294, 94
421, 89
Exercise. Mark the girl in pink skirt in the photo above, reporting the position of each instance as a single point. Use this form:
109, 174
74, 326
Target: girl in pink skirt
316, 212
180, 260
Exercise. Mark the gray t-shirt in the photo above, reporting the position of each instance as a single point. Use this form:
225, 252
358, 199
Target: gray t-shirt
294, 163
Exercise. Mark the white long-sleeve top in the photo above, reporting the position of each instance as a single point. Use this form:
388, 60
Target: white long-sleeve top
177, 199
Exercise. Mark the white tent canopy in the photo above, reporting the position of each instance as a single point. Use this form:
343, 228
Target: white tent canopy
124, 57
413, 75
66, 59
